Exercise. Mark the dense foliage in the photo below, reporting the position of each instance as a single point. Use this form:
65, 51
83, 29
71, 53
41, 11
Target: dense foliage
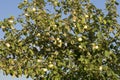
62, 40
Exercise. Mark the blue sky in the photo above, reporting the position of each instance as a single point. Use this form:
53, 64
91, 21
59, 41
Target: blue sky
9, 8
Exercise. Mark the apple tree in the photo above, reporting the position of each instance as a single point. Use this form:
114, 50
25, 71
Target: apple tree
62, 40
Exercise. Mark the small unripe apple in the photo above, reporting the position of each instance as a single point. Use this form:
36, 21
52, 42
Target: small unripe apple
86, 16
79, 39
39, 60
100, 68
7, 44
26, 14
38, 34
2, 27
25, 0
80, 46
33, 9
85, 27
58, 39
50, 65
55, 26
10, 21
96, 47
45, 69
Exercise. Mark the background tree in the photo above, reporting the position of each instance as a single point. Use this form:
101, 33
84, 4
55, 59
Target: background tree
73, 40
